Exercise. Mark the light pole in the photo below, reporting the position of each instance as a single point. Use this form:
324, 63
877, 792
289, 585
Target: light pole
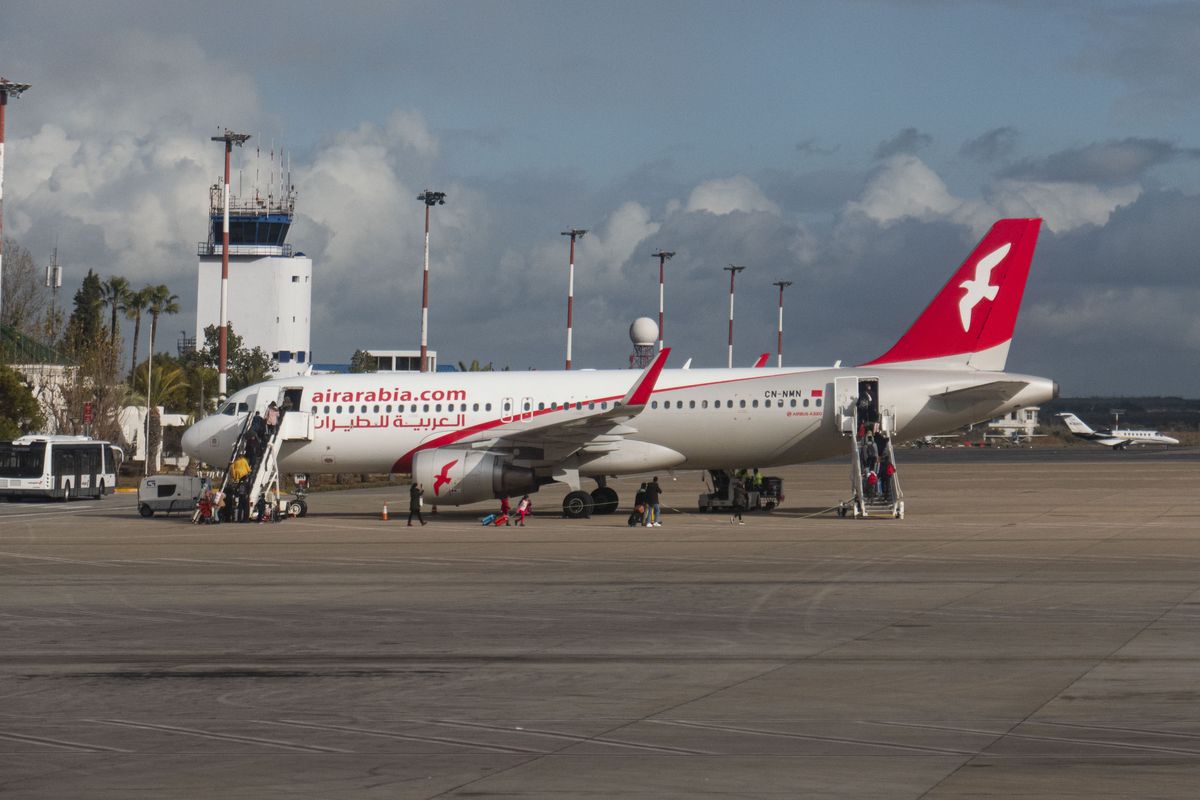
430, 199
574, 233
7, 89
230, 139
733, 271
779, 351
663, 256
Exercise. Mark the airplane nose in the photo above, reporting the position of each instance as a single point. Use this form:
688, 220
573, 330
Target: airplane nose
193, 439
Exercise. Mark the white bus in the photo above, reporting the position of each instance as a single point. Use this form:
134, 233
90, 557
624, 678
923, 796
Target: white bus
61, 467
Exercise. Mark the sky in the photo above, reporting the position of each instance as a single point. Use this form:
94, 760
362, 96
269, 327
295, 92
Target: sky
858, 149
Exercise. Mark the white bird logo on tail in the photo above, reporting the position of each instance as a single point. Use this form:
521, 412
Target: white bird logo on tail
980, 287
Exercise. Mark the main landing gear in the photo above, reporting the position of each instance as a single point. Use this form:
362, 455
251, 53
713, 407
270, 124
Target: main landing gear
580, 504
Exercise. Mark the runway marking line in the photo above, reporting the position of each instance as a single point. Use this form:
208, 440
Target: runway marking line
403, 736
65, 745
228, 737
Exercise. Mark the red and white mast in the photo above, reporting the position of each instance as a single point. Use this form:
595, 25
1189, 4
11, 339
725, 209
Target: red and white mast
230, 139
733, 271
663, 256
574, 233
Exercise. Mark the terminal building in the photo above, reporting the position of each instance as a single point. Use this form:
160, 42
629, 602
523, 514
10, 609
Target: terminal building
270, 287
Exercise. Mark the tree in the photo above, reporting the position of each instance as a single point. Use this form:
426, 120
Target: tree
19, 411
24, 289
85, 326
136, 303
116, 290
167, 384
245, 367
161, 302
362, 361
475, 366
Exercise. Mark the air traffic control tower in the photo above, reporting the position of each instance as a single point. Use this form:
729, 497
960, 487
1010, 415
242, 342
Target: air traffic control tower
270, 287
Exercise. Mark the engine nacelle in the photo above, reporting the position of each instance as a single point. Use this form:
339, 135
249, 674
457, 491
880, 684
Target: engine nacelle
455, 476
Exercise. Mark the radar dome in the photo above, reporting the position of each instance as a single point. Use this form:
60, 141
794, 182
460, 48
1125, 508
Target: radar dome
643, 331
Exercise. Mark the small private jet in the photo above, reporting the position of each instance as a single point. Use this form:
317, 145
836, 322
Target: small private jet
1116, 438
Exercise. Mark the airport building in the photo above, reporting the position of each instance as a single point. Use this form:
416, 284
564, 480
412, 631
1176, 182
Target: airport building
270, 286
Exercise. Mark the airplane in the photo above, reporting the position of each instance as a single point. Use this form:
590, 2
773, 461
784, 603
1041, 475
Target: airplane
471, 437
1116, 438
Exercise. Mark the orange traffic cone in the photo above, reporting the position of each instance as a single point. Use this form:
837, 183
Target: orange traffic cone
384, 515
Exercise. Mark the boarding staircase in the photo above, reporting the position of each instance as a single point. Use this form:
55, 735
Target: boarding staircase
863, 501
264, 476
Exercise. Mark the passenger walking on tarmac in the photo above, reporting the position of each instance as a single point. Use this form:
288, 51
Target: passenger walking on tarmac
415, 498
653, 508
524, 509
504, 509
740, 502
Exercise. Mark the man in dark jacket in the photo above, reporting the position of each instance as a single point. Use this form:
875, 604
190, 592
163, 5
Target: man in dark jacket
653, 509
415, 494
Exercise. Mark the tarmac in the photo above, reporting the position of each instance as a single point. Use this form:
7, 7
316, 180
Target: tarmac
1029, 629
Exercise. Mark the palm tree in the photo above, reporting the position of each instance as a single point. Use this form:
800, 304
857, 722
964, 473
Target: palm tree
161, 302
135, 304
116, 291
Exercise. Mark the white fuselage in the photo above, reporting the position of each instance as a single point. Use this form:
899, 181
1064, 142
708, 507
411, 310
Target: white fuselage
694, 419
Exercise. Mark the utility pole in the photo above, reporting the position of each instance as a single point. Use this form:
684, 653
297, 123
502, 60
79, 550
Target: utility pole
733, 271
230, 139
779, 347
663, 257
7, 89
574, 233
430, 199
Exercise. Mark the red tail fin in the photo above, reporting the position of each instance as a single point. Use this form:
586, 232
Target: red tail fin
971, 320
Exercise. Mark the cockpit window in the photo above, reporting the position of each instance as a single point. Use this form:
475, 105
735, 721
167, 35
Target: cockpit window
226, 409
243, 408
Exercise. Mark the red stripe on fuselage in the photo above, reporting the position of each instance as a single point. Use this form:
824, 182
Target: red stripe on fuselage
404, 463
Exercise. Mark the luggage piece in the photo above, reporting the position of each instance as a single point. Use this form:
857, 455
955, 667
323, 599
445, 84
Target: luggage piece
488, 520
500, 520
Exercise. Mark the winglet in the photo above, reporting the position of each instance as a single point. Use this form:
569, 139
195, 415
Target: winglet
762, 360
641, 390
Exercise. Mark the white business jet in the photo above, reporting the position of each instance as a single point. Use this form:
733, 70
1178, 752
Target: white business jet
469, 437
1116, 438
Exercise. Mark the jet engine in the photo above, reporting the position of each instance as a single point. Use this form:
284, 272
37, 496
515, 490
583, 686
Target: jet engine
456, 476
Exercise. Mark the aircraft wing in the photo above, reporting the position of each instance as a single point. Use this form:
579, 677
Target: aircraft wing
552, 438
1109, 441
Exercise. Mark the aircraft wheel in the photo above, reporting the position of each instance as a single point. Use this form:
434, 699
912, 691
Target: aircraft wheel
577, 505
604, 500
146, 511
297, 508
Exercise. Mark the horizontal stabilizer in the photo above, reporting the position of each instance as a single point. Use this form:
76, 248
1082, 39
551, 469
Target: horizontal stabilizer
994, 393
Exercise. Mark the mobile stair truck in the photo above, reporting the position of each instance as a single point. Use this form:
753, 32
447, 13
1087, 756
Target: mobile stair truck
860, 417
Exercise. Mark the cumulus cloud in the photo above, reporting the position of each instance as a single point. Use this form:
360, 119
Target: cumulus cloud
726, 195
904, 187
907, 141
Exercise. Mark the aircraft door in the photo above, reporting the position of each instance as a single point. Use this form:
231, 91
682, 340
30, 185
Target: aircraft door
845, 395
507, 409
526, 408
